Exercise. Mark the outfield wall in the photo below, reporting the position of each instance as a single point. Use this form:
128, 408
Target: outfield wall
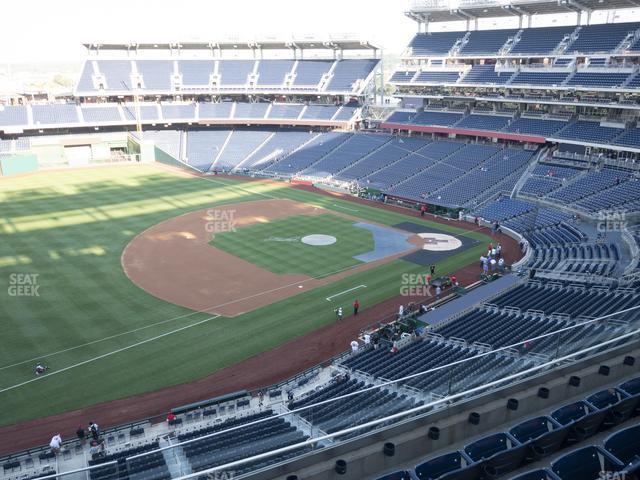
18, 164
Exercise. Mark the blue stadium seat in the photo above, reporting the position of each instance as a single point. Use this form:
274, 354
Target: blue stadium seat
582, 420
601, 38
484, 74
454, 462
541, 474
617, 403
487, 42
585, 464
400, 475
625, 444
540, 40
437, 43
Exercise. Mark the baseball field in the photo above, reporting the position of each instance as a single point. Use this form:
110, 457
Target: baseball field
111, 277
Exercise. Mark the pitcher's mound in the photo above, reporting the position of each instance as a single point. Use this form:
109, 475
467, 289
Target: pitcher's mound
318, 240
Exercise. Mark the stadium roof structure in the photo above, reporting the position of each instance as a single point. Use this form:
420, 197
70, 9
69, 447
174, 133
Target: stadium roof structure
334, 44
455, 10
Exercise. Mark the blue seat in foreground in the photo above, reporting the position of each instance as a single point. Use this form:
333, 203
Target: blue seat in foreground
533, 428
439, 466
543, 435
400, 475
541, 474
617, 403
582, 419
632, 388
487, 447
585, 464
500, 453
625, 444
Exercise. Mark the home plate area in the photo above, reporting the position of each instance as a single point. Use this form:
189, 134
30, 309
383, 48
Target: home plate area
437, 243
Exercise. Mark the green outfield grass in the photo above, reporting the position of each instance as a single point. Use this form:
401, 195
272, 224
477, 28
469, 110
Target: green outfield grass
276, 245
103, 337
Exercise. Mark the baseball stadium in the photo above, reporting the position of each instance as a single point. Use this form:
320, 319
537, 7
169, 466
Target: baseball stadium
306, 259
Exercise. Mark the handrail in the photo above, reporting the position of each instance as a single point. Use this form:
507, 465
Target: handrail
400, 415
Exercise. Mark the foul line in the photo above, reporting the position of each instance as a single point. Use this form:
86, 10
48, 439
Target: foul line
104, 355
346, 291
116, 335
345, 208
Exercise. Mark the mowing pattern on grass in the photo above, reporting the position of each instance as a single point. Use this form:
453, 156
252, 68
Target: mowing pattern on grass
70, 228
276, 245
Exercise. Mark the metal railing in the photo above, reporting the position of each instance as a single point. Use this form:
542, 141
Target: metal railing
561, 345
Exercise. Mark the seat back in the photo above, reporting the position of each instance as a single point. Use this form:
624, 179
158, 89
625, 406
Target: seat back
533, 428
472, 472
625, 409
570, 413
605, 399
550, 442
541, 474
625, 444
587, 425
400, 475
489, 446
438, 466
585, 464
632, 387
505, 462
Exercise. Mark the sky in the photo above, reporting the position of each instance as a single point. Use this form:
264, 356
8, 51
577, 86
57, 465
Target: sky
46, 30
54, 30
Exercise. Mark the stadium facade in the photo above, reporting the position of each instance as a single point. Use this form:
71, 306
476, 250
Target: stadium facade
533, 128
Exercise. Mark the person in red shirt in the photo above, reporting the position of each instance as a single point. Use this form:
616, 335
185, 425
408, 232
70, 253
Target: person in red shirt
454, 280
171, 417
356, 306
423, 210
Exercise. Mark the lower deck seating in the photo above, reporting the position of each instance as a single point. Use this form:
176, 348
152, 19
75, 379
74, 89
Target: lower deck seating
261, 434
353, 410
152, 465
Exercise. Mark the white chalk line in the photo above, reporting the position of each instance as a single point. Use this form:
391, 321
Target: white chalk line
93, 342
345, 291
345, 208
104, 355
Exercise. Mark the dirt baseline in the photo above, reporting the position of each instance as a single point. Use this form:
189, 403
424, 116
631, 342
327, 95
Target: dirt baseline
173, 260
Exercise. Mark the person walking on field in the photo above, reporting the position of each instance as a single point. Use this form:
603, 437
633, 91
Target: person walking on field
356, 306
339, 313
432, 269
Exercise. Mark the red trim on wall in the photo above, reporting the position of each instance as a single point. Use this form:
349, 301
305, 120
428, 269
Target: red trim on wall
463, 131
